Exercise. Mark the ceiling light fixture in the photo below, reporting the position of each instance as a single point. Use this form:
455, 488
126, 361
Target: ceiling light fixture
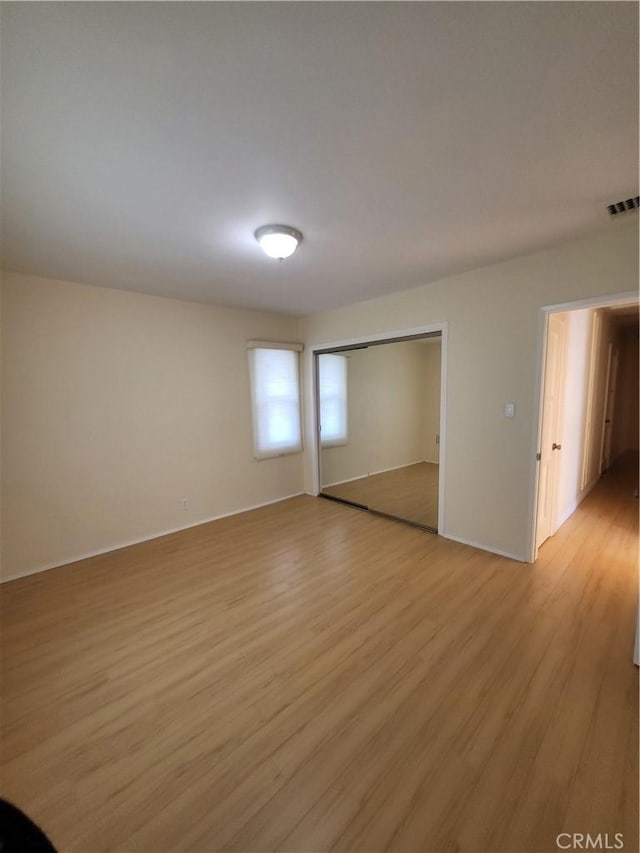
278, 241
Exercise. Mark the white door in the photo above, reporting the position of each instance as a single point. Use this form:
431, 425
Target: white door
610, 399
551, 427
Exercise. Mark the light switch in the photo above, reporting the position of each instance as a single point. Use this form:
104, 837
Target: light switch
509, 410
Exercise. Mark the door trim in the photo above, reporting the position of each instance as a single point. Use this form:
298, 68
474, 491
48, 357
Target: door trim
613, 365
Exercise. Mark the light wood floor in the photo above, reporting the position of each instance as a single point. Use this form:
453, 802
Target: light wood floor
309, 677
410, 492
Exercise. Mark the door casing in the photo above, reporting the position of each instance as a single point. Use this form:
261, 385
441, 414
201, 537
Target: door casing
609, 407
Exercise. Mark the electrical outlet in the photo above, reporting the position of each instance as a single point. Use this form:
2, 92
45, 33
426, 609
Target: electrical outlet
185, 504
437, 438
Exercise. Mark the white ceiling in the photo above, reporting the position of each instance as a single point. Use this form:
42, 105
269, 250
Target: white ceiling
143, 143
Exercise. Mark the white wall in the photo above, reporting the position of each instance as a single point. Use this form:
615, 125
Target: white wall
494, 322
116, 405
390, 401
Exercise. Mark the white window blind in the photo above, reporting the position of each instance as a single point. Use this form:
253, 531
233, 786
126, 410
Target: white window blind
275, 393
332, 381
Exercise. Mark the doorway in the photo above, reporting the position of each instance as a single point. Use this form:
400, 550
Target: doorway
584, 410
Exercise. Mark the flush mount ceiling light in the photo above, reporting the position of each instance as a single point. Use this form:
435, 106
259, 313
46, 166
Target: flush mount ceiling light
278, 241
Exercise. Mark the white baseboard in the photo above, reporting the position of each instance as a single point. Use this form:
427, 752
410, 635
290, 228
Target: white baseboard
342, 482
129, 542
373, 473
518, 557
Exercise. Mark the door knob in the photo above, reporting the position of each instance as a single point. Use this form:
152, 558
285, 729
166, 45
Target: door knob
555, 446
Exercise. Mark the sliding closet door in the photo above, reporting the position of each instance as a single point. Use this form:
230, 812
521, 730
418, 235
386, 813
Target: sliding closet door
403, 430
379, 413
343, 392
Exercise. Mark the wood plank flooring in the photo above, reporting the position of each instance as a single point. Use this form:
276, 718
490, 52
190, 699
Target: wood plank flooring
309, 677
410, 492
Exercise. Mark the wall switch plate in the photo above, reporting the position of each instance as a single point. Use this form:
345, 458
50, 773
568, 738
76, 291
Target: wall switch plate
509, 410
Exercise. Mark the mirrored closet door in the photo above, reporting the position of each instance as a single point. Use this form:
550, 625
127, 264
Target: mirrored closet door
379, 424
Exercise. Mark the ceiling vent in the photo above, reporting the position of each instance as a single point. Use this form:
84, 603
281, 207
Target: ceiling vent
619, 207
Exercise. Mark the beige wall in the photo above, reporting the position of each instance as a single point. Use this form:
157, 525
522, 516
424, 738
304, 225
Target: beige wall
493, 317
390, 407
117, 405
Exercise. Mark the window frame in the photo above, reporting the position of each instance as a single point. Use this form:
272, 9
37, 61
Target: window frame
296, 349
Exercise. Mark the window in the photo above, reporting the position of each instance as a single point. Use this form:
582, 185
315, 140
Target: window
275, 394
332, 382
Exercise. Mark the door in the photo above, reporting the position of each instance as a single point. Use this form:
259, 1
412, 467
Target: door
344, 403
404, 396
379, 418
610, 399
550, 448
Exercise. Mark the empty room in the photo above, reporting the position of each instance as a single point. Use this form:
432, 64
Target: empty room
319, 427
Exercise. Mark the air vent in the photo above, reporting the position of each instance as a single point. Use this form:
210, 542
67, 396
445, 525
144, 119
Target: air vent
619, 207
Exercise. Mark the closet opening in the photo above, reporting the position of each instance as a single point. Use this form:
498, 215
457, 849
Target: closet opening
379, 426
